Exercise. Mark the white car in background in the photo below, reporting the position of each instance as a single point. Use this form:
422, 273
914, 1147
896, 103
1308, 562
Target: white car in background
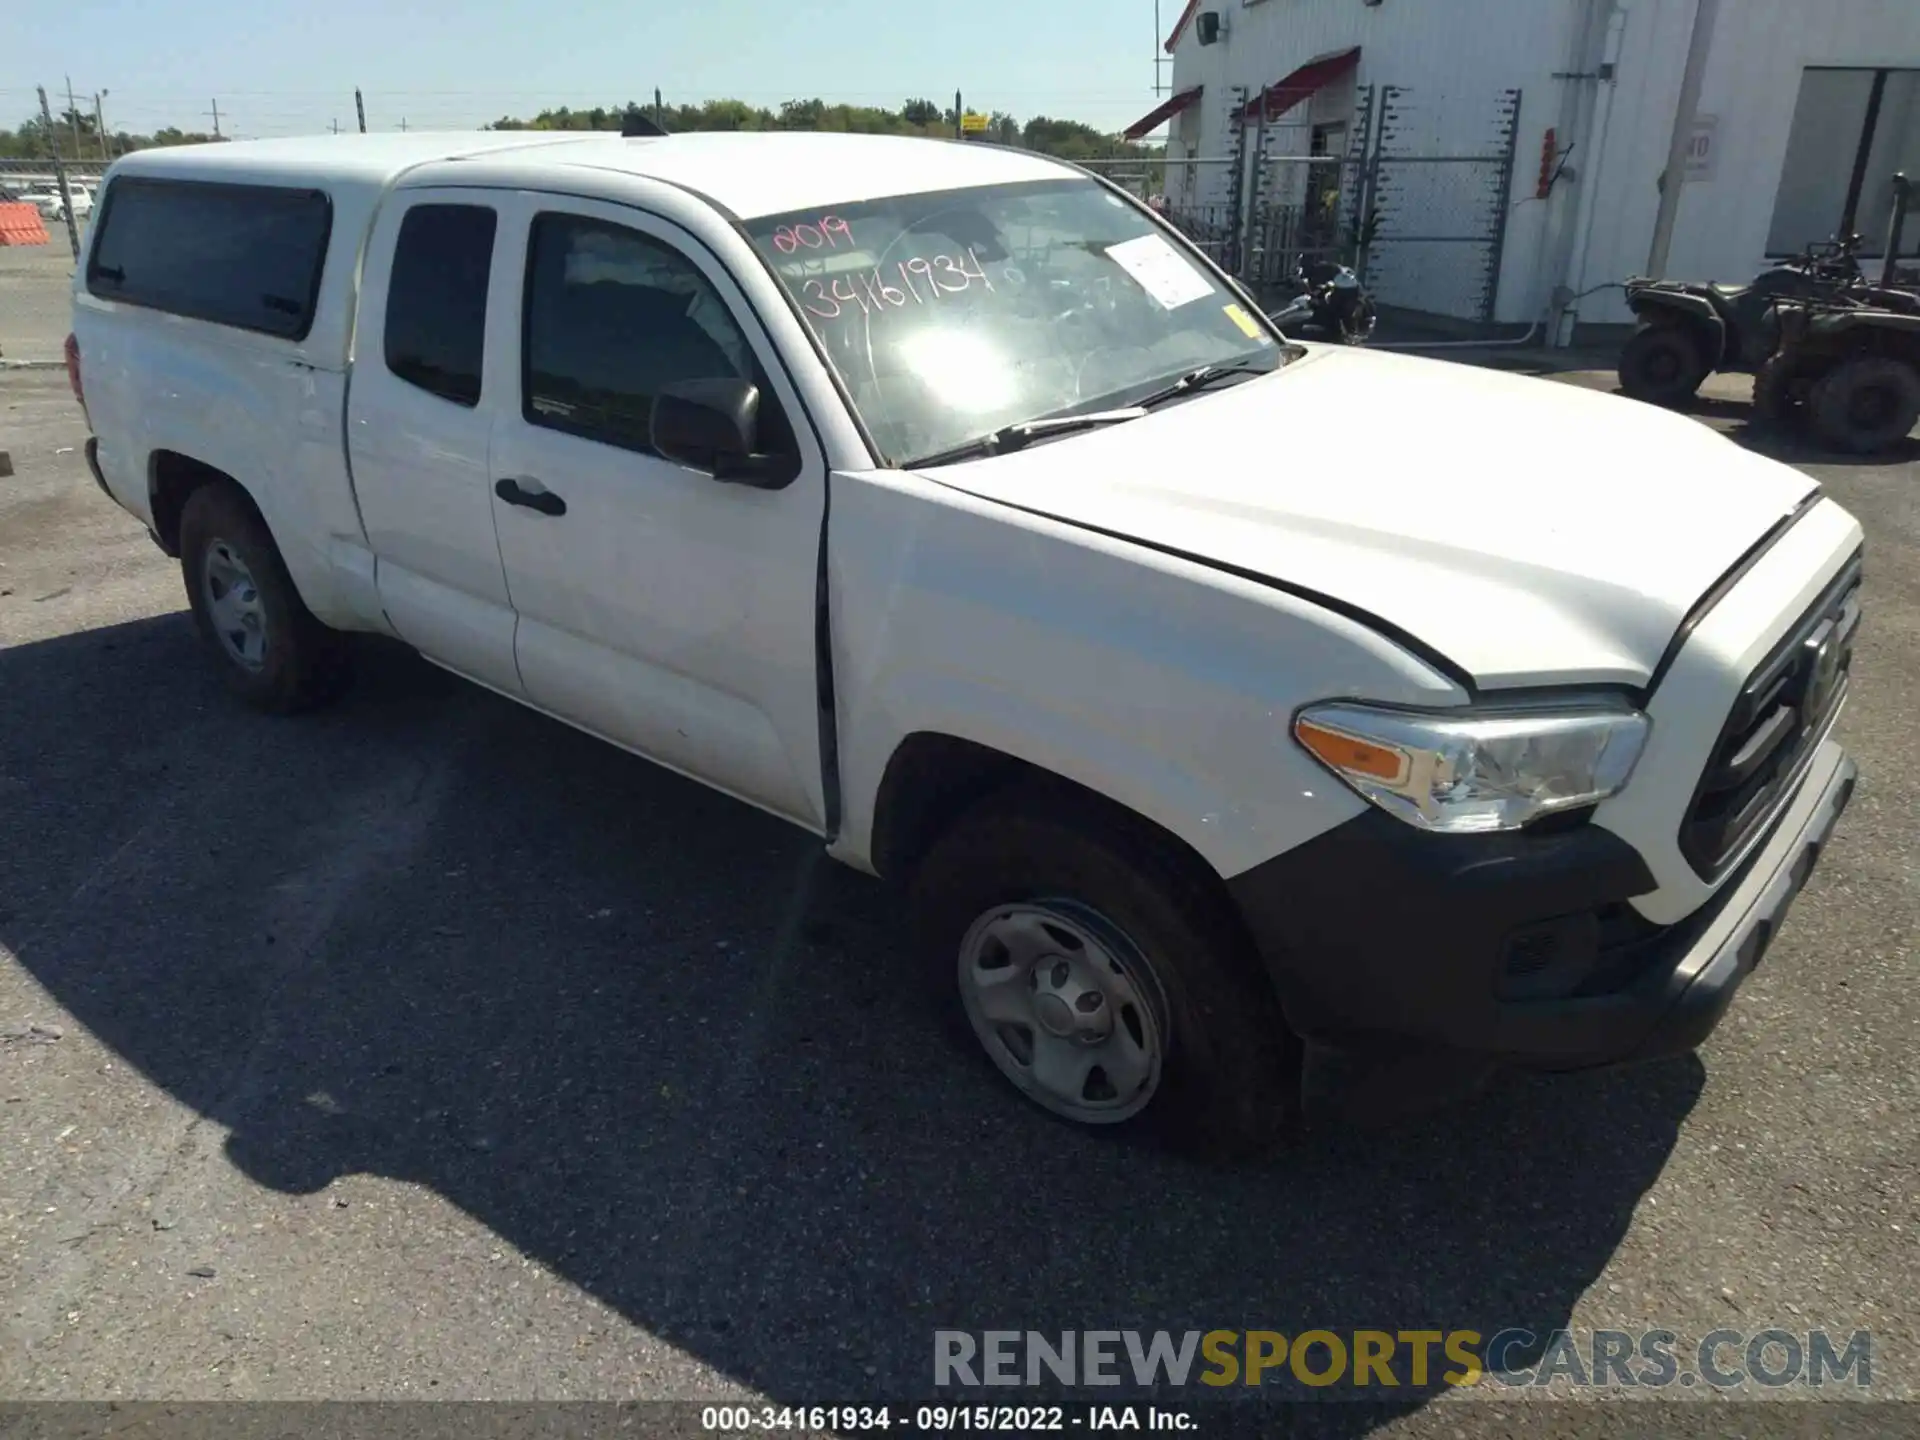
46, 199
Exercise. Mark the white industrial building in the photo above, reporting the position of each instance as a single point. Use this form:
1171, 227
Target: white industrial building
1805, 111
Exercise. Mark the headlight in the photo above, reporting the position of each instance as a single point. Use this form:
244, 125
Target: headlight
1476, 770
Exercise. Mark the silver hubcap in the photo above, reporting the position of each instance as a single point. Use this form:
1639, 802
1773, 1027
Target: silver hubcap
1069, 1011
233, 605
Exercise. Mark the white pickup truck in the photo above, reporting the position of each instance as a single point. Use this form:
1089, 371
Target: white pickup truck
1220, 698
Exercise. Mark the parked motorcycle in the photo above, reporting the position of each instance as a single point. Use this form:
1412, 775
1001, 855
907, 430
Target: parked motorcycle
1688, 331
1332, 305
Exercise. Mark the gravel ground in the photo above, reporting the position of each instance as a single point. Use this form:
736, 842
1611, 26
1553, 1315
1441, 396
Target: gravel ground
427, 1048
35, 298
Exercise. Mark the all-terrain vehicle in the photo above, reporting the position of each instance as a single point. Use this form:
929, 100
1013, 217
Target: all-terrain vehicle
1690, 330
1849, 371
1848, 366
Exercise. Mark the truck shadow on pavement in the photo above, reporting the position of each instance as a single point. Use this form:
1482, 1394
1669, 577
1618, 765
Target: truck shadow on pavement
648, 1038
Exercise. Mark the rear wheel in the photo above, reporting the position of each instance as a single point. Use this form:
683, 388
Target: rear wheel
1866, 405
1101, 977
271, 650
1662, 365
1357, 328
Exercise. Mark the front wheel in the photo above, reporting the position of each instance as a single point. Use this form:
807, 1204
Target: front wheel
1662, 365
1102, 978
1866, 405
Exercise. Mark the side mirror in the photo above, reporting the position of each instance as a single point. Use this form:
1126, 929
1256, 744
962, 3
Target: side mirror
714, 425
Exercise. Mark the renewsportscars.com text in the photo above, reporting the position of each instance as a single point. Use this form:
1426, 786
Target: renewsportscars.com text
1378, 1360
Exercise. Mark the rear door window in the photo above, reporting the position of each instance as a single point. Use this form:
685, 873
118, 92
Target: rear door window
436, 327
248, 256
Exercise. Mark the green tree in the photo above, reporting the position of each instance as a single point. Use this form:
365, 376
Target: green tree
802, 114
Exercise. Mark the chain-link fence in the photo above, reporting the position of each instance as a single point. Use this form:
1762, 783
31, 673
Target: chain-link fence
17, 174
1422, 220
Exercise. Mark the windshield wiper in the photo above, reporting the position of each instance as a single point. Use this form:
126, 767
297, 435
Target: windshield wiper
1205, 375
1016, 437
1009, 438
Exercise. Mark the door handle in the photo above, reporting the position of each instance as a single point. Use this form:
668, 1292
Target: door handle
545, 501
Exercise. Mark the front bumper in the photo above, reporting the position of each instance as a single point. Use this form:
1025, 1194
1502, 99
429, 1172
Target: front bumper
1520, 949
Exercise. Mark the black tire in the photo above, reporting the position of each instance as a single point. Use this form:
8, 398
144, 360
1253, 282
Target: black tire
1662, 365
301, 663
1866, 405
1357, 328
1229, 1080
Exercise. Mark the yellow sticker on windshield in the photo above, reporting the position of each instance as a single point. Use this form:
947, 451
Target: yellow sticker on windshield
1243, 320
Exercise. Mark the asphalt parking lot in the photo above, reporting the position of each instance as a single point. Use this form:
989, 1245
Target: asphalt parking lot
426, 1048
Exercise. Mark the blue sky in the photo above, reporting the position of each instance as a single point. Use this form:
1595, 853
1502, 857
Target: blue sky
281, 69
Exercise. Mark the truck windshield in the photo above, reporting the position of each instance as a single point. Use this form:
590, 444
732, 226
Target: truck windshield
952, 315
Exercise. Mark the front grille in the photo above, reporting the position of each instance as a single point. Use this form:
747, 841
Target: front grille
1784, 705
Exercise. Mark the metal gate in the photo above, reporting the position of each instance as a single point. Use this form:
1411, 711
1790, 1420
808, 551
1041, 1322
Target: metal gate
1426, 228
1435, 224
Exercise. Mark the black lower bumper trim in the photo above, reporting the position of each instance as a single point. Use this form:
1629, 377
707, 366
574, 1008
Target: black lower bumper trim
93, 464
1379, 936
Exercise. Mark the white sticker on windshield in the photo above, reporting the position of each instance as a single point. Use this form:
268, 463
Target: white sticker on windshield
1160, 271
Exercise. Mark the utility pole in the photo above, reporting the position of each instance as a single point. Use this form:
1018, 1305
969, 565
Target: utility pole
959, 118
403, 124
73, 118
59, 172
216, 119
100, 120
658, 111
1675, 178
360, 109
336, 127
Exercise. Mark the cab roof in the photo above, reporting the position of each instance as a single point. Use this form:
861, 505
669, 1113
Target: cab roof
750, 173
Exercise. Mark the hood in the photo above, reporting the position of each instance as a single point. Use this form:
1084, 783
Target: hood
1532, 532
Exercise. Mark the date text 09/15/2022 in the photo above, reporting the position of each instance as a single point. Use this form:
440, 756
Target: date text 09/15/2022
943, 1419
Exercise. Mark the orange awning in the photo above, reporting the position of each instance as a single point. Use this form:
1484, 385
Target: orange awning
1162, 113
1283, 95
